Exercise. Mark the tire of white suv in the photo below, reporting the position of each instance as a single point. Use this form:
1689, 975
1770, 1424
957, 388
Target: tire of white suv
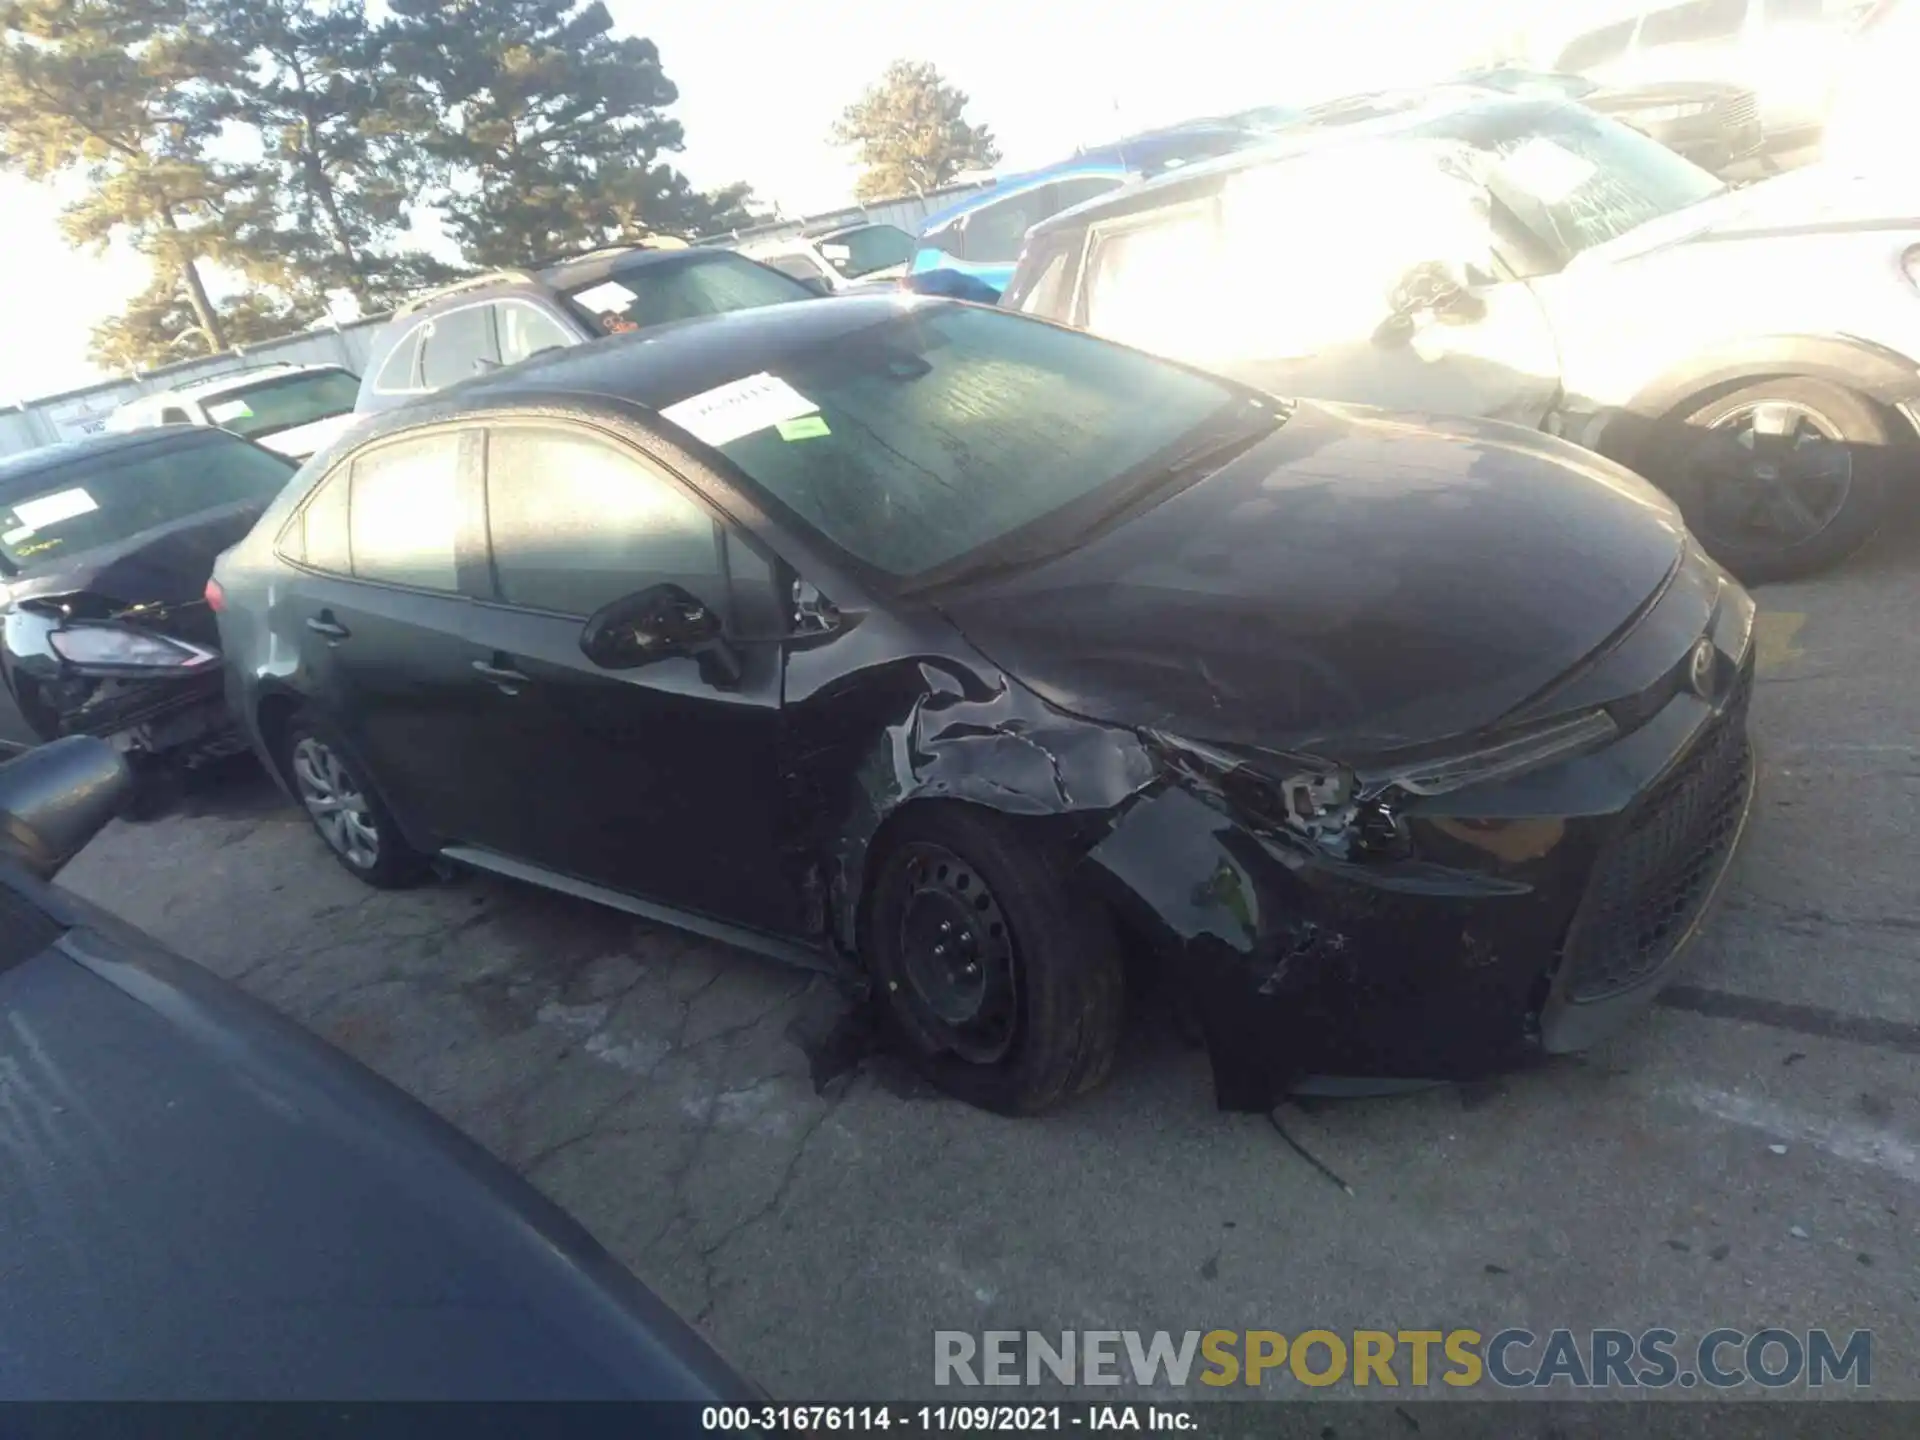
1781, 477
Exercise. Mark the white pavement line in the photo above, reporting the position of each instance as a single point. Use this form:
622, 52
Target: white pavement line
1842, 1139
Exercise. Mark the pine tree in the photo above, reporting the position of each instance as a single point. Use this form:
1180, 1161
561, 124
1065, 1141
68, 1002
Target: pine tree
911, 133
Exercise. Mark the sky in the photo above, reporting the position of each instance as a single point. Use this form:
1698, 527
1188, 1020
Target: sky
762, 82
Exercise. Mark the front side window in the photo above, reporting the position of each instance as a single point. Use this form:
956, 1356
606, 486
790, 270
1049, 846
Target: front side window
174, 415
454, 345
1578, 179
1598, 47
1694, 22
526, 330
48, 515
396, 371
993, 234
403, 514
577, 523
680, 289
957, 431
283, 403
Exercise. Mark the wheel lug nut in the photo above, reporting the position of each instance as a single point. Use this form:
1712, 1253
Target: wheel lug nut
940, 950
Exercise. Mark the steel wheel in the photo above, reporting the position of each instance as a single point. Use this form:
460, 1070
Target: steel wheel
336, 802
957, 956
1774, 473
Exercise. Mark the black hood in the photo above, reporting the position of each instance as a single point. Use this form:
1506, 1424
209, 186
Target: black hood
1358, 582
166, 567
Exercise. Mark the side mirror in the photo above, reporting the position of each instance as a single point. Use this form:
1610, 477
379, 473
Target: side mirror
652, 624
56, 798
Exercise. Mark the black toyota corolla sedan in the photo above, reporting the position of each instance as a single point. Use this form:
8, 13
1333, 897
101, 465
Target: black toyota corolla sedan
967, 654
105, 548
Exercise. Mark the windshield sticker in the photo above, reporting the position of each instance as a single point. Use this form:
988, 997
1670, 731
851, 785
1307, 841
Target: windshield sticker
805, 428
52, 509
606, 298
740, 407
226, 410
837, 252
1546, 170
14, 537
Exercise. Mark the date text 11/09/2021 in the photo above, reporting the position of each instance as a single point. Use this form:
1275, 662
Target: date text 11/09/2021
936, 1419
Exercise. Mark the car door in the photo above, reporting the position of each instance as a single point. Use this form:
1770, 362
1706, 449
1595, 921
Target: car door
1307, 277
379, 555
659, 781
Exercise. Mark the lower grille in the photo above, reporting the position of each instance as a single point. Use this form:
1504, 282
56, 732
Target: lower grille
1740, 111
1652, 880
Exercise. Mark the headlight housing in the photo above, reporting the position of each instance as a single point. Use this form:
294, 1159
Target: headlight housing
1505, 758
116, 647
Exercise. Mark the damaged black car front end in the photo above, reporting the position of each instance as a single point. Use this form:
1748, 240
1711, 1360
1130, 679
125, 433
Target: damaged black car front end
106, 546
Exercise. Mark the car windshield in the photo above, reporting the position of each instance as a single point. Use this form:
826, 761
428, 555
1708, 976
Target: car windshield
102, 500
1580, 179
286, 401
861, 252
956, 438
655, 293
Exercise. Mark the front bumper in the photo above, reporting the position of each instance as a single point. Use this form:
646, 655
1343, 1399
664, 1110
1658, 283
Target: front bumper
1540, 914
181, 718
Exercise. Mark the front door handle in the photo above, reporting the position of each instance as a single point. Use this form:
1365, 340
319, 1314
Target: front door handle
508, 680
325, 624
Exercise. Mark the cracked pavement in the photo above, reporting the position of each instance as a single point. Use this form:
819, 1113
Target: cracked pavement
660, 1087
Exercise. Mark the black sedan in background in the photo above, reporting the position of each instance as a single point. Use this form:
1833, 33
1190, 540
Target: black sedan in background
105, 549
199, 1201
966, 652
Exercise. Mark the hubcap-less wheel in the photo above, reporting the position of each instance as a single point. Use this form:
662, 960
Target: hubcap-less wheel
957, 956
1774, 473
335, 801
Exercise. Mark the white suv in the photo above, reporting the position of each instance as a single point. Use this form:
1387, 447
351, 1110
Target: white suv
295, 410
1754, 351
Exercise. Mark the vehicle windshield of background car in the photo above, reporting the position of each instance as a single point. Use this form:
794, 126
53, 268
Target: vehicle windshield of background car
68, 510
861, 252
1580, 179
645, 295
283, 403
962, 434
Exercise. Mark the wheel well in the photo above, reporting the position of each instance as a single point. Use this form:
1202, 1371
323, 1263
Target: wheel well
1628, 440
275, 714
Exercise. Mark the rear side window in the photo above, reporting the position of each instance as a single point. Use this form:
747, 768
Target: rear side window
396, 371
1069, 193
1597, 47
174, 415
454, 344
1151, 281
1693, 22
320, 539
403, 516
1046, 293
798, 266
576, 523
526, 330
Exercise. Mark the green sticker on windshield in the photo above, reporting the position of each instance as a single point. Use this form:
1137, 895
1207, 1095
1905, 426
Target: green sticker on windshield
805, 428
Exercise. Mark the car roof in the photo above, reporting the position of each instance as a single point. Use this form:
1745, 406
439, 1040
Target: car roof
31, 463
229, 380
658, 366
1440, 112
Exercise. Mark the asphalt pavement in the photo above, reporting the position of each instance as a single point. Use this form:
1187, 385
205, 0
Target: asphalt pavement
1747, 1156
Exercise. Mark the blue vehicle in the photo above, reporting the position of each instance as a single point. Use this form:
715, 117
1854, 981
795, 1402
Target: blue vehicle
981, 234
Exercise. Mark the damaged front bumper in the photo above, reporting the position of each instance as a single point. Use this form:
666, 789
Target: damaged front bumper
1533, 915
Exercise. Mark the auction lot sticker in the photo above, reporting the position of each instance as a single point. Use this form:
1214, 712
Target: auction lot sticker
740, 407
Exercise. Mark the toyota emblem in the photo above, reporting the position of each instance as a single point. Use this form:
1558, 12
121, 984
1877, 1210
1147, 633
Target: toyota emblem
1700, 670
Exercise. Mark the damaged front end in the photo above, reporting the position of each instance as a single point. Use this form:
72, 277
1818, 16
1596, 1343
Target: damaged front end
145, 676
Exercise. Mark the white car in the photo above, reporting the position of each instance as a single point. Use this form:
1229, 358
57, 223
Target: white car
296, 410
843, 258
1754, 351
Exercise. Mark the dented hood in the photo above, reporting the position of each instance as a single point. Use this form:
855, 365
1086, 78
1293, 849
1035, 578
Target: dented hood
1357, 582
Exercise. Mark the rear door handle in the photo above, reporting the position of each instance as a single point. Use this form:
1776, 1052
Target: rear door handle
325, 624
508, 680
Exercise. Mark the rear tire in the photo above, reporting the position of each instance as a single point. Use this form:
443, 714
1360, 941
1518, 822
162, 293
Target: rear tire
351, 820
1024, 1008
1780, 478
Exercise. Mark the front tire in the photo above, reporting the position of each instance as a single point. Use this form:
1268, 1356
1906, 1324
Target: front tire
1002, 984
1780, 478
358, 830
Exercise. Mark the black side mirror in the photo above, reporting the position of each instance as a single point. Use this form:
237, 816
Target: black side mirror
654, 624
56, 798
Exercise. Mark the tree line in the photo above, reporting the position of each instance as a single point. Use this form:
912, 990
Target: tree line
292, 141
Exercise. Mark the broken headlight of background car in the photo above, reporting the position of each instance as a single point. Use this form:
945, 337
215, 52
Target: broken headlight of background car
116, 647
1353, 816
